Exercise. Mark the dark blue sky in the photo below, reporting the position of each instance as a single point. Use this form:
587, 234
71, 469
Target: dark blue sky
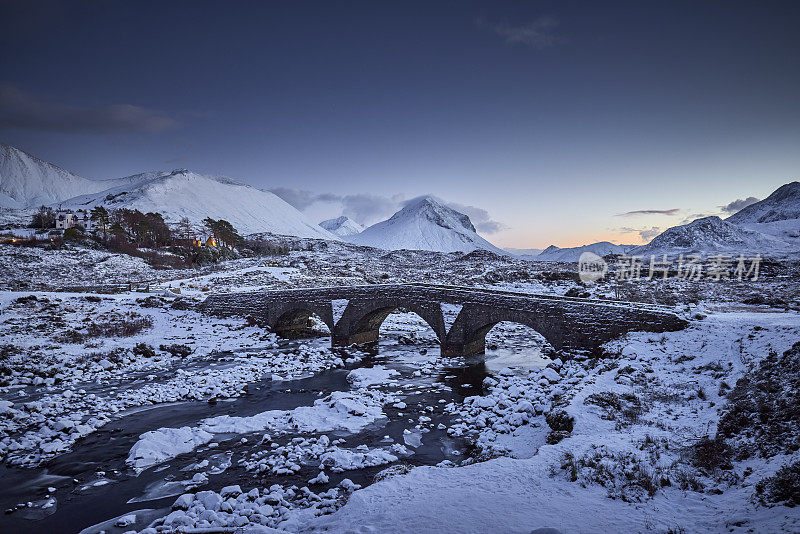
556, 117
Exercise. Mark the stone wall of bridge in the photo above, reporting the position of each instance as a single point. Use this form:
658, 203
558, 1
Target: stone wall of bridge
568, 324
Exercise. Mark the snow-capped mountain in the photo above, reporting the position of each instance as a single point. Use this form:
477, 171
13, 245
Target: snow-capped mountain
342, 226
525, 253
425, 223
28, 182
182, 193
777, 215
572, 254
781, 205
768, 227
712, 235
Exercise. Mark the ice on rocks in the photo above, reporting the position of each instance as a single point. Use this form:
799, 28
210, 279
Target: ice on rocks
157, 446
365, 377
347, 460
341, 410
184, 502
551, 374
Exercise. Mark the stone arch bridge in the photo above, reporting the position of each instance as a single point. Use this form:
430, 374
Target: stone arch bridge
460, 316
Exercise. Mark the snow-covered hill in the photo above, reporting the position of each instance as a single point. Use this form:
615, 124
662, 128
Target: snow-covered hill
425, 223
182, 193
342, 226
572, 254
28, 182
712, 235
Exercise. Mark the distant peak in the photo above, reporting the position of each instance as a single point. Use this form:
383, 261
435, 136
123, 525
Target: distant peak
342, 226
435, 211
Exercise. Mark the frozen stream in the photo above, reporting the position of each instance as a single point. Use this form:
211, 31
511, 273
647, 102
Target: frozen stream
93, 483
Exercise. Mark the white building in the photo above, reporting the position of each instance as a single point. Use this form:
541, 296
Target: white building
71, 219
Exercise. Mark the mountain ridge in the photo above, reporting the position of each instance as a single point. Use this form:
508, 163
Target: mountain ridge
27, 182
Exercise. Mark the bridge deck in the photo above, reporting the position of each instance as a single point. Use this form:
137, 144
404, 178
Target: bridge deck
441, 292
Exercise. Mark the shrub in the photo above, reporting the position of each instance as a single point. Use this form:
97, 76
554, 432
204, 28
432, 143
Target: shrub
8, 350
783, 488
181, 304
764, 407
559, 420
560, 423
70, 336
119, 326
144, 350
711, 453
73, 234
687, 481
177, 351
149, 302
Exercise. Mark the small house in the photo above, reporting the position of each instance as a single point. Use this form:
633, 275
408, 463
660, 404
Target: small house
72, 219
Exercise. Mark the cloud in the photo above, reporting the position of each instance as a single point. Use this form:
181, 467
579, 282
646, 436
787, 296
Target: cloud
739, 204
301, 198
537, 34
480, 218
20, 110
648, 234
695, 216
673, 211
363, 208
645, 234
368, 209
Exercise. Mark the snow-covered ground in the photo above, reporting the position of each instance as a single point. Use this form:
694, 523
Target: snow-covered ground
216, 424
528, 483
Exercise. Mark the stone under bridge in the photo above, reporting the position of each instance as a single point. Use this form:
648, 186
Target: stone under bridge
460, 316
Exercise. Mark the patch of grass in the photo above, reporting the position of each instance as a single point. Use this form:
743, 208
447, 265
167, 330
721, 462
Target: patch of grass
623, 474
126, 327
114, 326
625, 408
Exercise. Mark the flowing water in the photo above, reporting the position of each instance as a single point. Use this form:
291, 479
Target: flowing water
93, 483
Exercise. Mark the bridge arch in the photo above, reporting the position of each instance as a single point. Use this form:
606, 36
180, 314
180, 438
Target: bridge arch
468, 333
361, 321
297, 322
521, 336
291, 319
